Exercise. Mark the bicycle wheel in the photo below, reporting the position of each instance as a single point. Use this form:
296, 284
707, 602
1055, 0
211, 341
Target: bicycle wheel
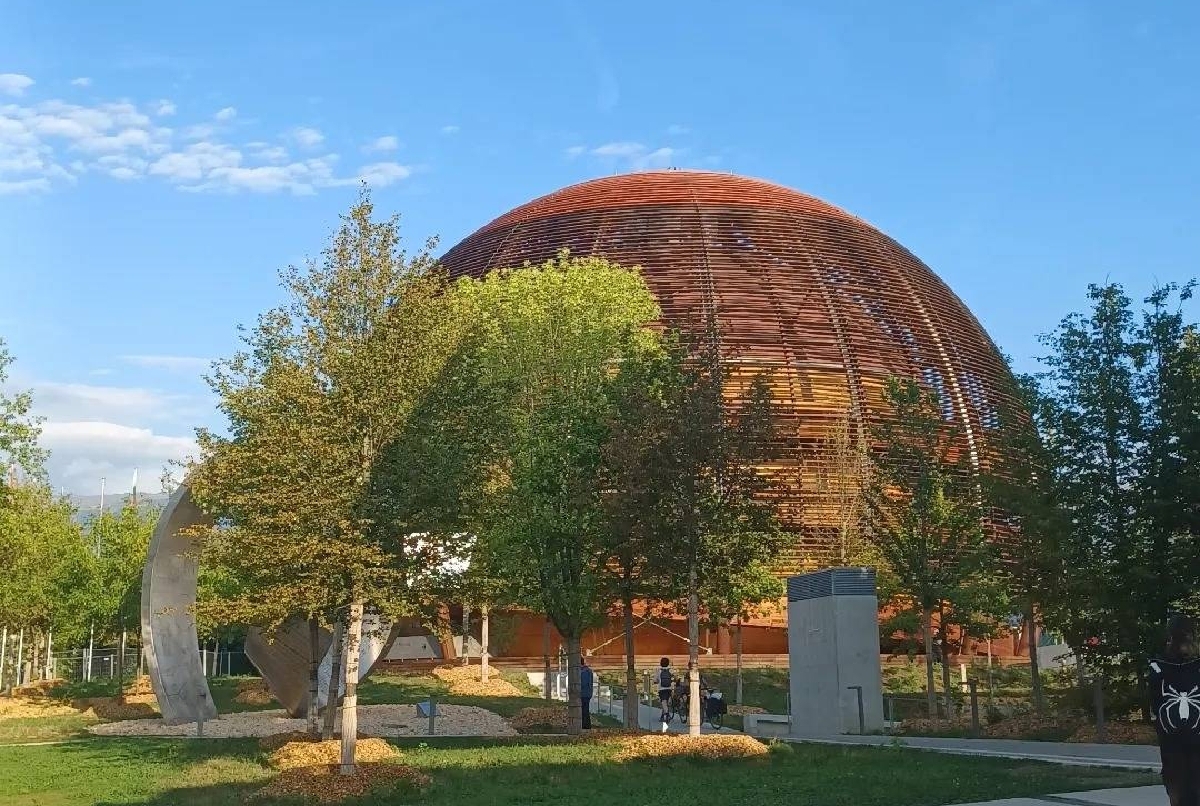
715, 720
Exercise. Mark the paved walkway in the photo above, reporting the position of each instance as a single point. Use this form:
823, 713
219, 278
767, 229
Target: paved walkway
1136, 757
648, 717
1137, 796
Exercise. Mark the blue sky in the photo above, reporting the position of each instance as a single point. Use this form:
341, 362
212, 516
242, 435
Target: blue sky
160, 162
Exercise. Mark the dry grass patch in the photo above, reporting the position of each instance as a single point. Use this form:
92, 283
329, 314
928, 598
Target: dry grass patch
1116, 733
316, 754
554, 718
25, 708
703, 747
140, 687
110, 709
465, 681
742, 710
324, 785
253, 692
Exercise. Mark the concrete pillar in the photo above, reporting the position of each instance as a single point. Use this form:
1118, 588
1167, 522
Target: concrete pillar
833, 646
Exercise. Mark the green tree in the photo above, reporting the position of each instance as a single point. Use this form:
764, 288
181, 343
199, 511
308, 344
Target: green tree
721, 514
1121, 425
635, 465
19, 429
925, 510
325, 383
734, 598
1022, 489
120, 543
43, 588
546, 344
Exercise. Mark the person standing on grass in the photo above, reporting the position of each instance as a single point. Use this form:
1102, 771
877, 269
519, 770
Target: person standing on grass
587, 686
1175, 709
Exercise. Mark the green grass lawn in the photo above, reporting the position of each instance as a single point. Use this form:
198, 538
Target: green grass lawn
108, 772
44, 729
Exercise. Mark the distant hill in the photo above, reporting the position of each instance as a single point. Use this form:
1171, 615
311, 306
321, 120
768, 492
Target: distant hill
88, 506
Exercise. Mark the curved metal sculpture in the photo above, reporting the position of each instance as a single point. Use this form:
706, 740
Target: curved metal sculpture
171, 643
825, 303
168, 624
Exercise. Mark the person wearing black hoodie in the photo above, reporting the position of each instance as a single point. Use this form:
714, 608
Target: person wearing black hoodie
1175, 709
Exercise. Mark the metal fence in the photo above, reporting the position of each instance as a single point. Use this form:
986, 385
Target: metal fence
104, 664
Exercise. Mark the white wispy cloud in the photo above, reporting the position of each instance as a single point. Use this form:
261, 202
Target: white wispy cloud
382, 174
53, 143
637, 156
82, 452
382, 144
95, 431
14, 84
82, 81
620, 149
171, 363
307, 137
451, 129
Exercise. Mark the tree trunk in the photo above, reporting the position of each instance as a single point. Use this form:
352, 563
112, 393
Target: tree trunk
737, 649
314, 679
466, 634
121, 667
35, 655
446, 633
20, 675
693, 654
1035, 671
945, 663
350, 702
632, 706
485, 626
574, 704
546, 658
334, 689
49, 668
930, 689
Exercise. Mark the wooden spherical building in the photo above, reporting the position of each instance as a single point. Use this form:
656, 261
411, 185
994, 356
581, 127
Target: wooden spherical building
825, 303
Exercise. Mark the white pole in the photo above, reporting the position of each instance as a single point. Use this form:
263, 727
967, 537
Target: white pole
50, 654
3, 652
87, 672
20, 656
101, 515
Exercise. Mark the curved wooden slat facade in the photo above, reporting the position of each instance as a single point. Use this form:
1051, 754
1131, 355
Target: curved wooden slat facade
823, 301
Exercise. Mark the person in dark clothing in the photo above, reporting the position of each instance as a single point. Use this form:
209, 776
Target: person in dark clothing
665, 682
1175, 710
587, 686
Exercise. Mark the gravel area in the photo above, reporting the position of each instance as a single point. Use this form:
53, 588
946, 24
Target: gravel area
373, 720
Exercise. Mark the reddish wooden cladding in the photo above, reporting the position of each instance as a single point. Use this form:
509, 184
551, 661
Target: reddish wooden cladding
823, 301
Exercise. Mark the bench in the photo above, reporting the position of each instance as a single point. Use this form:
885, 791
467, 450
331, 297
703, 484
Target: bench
766, 725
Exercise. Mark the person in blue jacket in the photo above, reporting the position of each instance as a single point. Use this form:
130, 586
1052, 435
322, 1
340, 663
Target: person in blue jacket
587, 686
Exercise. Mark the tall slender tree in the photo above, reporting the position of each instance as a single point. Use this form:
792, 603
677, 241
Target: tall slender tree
325, 383
924, 506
